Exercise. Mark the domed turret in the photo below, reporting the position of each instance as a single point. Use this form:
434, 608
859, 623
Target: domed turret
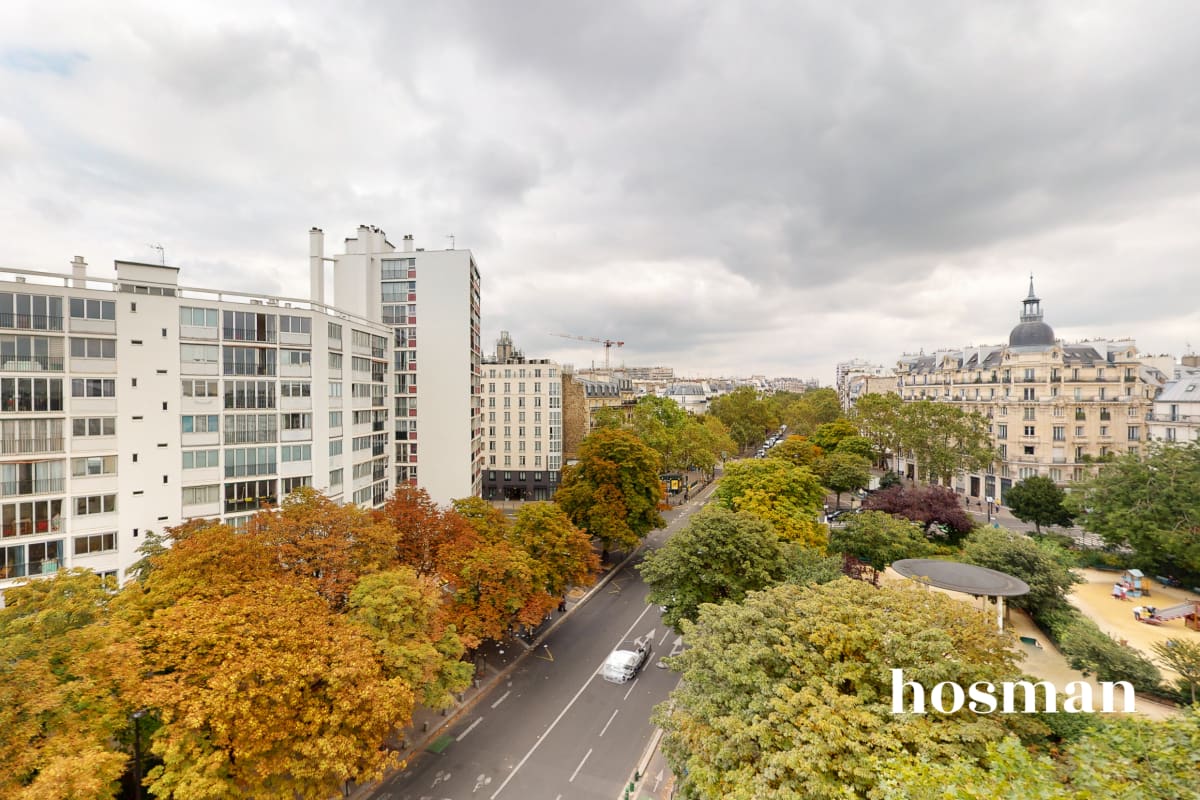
1031, 332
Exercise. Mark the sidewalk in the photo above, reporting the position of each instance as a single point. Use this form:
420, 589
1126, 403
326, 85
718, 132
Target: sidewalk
652, 779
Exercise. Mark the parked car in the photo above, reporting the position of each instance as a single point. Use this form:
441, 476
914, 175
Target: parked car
624, 663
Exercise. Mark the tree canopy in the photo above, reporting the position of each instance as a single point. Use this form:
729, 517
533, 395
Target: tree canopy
877, 539
944, 439
745, 415
719, 557
1149, 502
614, 490
790, 498
923, 504
1040, 564
1039, 500
844, 472
788, 694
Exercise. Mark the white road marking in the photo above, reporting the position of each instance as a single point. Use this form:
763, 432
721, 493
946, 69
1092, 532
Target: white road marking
581, 763
610, 719
501, 700
563, 713
470, 728
666, 635
630, 691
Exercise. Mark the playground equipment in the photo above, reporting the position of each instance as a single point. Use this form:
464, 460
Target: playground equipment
1190, 611
1134, 583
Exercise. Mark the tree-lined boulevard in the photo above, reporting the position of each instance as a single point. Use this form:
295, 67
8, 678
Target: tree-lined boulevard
552, 728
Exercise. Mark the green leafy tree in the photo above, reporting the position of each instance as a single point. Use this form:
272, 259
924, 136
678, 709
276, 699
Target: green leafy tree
613, 492
877, 539
878, 419
1038, 500
400, 612
1127, 757
1149, 503
790, 498
844, 472
747, 417
857, 445
830, 434
704, 442
1042, 565
799, 450
1182, 656
788, 694
811, 410
719, 557
806, 566
944, 439
660, 422
608, 418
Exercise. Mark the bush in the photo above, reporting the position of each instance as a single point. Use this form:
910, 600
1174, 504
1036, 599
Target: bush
1090, 649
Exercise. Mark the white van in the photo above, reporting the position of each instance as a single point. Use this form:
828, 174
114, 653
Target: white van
625, 662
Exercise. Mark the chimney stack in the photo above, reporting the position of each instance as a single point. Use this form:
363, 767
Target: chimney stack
316, 266
408, 243
78, 272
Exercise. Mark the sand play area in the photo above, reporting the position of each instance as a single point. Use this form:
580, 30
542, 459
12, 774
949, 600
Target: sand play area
1114, 617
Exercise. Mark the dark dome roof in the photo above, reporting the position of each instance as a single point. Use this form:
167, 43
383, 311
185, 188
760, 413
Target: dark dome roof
1031, 333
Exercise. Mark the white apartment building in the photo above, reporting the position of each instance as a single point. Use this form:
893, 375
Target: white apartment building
133, 404
848, 388
1176, 413
430, 301
523, 443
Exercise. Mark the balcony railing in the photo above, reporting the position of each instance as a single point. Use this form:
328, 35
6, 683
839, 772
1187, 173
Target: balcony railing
18, 488
23, 446
23, 569
31, 322
33, 364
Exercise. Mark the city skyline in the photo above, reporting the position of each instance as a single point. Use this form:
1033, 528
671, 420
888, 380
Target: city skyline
728, 195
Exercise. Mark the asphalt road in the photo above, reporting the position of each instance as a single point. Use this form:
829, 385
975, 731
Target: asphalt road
555, 729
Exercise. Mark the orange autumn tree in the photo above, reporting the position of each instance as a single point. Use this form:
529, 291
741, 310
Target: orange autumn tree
326, 544
420, 530
65, 677
560, 553
264, 692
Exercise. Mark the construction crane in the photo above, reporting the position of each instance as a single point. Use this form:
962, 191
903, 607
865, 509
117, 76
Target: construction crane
608, 343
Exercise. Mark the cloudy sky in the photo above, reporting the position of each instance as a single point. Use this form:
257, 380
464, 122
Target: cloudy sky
729, 188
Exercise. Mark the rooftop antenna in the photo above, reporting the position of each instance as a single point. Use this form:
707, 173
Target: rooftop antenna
162, 254
450, 236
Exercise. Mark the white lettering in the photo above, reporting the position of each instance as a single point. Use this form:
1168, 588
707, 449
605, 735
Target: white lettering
898, 685
982, 692
1079, 698
935, 698
1106, 695
1030, 692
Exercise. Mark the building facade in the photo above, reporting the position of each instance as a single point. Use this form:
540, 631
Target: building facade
583, 397
1053, 409
522, 406
1176, 413
851, 379
431, 302
133, 404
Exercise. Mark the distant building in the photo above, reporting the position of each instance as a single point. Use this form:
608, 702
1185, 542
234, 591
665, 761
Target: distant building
849, 384
583, 397
1176, 413
523, 441
692, 397
1053, 409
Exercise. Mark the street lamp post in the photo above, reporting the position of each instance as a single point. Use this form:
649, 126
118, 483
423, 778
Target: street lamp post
137, 752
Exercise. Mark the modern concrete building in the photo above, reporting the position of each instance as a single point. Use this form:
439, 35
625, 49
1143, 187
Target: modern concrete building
133, 403
1054, 409
430, 299
522, 406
